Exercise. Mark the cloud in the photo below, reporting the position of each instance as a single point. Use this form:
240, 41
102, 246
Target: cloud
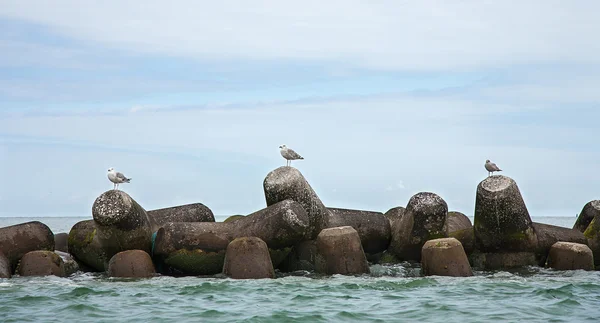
414, 35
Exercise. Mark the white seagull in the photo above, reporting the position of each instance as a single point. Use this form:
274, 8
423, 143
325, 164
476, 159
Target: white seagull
491, 167
117, 178
289, 154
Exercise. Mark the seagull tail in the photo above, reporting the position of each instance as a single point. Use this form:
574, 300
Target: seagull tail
128, 180
301, 157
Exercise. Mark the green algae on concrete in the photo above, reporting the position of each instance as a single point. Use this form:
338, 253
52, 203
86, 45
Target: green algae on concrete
197, 262
85, 247
279, 255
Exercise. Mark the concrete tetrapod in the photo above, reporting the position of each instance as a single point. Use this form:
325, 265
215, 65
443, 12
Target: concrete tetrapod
548, 235
248, 258
339, 251
423, 220
459, 226
287, 183
17, 240
196, 212
502, 222
122, 224
570, 256
445, 257
198, 248
85, 246
590, 211
41, 263
131, 264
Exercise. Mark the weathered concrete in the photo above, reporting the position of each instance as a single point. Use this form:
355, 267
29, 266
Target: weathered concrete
71, 266
445, 257
459, 226
423, 220
588, 213
302, 257
85, 246
502, 222
548, 235
196, 212
373, 227
339, 251
248, 258
394, 214
61, 242
198, 248
233, 218
41, 263
288, 183
502, 260
17, 240
5, 268
131, 264
592, 234
122, 224
570, 256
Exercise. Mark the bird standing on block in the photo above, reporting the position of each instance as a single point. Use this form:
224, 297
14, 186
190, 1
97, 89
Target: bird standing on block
117, 178
289, 154
491, 167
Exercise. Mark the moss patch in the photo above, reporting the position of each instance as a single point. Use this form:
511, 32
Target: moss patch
388, 258
592, 230
197, 261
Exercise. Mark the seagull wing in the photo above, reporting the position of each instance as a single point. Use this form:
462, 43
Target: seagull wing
122, 177
294, 155
496, 168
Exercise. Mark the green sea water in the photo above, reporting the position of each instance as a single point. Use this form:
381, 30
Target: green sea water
389, 294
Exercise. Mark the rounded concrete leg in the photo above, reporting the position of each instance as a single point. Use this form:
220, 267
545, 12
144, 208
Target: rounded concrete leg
588, 213
570, 256
424, 219
502, 222
41, 263
131, 264
288, 183
339, 251
85, 246
5, 268
248, 258
61, 242
445, 257
122, 224
17, 240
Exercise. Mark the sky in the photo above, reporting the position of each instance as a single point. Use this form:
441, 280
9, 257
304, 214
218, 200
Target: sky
384, 99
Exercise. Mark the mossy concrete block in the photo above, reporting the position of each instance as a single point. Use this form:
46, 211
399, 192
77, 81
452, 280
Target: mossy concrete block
373, 227
248, 258
502, 222
185, 245
339, 251
445, 257
85, 246
590, 211
287, 183
548, 235
17, 240
459, 226
570, 256
196, 212
41, 263
131, 264
502, 260
423, 220
122, 224
301, 257
592, 235
5, 267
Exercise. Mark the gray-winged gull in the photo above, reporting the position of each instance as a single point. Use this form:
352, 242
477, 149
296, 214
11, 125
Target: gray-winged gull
491, 167
289, 154
117, 178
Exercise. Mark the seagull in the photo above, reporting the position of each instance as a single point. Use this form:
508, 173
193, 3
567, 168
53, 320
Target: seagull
117, 178
289, 154
491, 167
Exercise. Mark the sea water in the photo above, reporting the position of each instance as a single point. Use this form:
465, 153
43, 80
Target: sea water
389, 294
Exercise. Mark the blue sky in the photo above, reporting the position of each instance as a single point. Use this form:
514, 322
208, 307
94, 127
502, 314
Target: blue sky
384, 99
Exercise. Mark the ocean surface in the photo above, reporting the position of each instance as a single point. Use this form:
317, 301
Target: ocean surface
389, 294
